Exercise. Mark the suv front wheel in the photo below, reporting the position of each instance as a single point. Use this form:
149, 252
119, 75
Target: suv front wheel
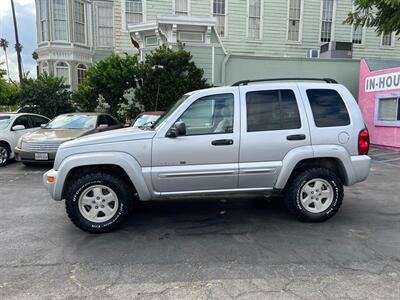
314, 195
98, 202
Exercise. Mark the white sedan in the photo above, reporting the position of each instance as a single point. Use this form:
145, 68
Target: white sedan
12, 127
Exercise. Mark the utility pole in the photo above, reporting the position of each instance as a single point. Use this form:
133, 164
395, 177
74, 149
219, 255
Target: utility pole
18, 46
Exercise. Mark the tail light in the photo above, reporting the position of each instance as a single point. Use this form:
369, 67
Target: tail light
363, 142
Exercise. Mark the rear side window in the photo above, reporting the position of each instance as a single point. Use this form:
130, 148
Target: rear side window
37, 121
328, 108
272, 110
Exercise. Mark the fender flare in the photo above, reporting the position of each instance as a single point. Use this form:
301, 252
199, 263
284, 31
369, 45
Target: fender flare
293, 157
123, 160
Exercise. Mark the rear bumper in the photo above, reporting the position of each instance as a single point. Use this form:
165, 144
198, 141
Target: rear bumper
21, 155
361, 166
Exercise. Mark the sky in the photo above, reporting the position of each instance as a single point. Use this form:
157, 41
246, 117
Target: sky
26, 21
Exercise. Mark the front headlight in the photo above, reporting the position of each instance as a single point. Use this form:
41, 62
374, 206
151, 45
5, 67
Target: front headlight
19, 144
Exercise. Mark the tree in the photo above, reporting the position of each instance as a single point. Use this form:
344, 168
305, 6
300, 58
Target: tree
108, 80
46, 95
4, 45
382, 14
8, 93
18, 46
165, 76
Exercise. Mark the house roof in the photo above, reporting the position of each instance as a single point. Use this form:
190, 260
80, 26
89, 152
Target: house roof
381, 64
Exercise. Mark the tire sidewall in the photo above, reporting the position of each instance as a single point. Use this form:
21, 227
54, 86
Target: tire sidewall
2, 146
335, 202
109, 224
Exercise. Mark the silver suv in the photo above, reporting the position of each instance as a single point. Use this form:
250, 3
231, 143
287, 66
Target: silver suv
303, 139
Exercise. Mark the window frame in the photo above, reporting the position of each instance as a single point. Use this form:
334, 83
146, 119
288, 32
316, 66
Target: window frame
300, 39
205, 96
246, 123
392, 39
67, 29
66, 80
191, 41
99, 27
43, 21
78, 69
332, 32
377, 121
216, 15
75, 22
45, 67
126, 12
181, 13
260, 37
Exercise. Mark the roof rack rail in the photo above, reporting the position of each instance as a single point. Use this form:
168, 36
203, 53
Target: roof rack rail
246, 82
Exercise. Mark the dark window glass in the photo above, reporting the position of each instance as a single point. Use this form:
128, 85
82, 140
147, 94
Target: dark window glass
111, 121
102, 120
23, 120
272, 110
328, 108
37, 121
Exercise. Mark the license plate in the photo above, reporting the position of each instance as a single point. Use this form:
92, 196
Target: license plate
41, 156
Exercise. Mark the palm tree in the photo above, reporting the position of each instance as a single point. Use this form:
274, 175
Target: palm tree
4, 45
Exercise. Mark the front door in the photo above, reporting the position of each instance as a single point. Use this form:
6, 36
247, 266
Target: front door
206, 157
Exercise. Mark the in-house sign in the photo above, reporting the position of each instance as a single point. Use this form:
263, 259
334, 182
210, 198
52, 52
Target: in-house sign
390, 81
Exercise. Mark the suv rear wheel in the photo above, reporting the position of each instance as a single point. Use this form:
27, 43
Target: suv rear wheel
4, 154
314, 195
98, 202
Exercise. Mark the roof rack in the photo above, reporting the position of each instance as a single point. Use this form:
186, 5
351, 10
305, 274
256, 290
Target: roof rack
246, 82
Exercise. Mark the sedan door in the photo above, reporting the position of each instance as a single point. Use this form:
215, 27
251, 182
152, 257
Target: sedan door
205, 159
25, 121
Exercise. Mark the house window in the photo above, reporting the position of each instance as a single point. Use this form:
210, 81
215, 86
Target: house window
105, 26
389, 109
43, 20
79, 22
133, 12
357, 35
191, 36
254, 24
62, 71
60, 20
219, 14
151, 40
181, 7
387, 39
294, 20
327, 20
45, 68
81, 68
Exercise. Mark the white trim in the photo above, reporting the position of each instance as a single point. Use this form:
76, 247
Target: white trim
67, 23
261, 31
85, 24
189, 5
212, 64
69, 70
333, 22
226, 17
393, 38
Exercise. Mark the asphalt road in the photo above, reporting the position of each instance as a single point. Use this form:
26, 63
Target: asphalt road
242, 248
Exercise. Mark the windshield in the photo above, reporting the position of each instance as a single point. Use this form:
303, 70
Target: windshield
4, 121
145, 120
73, 122
169, 112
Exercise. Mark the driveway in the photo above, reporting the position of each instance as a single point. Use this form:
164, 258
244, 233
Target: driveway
236, 247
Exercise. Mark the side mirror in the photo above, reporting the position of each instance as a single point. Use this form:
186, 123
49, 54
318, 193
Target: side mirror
102, 126
18, 127
178, 129
43, 125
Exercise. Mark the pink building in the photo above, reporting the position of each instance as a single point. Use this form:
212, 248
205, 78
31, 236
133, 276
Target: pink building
379, 100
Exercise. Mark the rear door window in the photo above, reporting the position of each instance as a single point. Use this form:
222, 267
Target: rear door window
37, 121
272, 110
328, 108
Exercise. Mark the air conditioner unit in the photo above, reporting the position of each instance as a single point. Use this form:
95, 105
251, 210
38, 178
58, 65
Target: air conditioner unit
336, 50
313, 53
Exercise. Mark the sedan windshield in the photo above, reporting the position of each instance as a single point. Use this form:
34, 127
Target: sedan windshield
4, 121
73, 122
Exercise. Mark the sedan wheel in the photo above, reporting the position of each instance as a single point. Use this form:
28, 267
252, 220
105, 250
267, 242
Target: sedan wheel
4, 155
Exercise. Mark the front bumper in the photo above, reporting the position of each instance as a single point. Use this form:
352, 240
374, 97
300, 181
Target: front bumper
52, 187
21, 155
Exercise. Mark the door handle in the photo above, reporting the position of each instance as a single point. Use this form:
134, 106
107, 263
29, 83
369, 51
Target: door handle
222, 142
296, 137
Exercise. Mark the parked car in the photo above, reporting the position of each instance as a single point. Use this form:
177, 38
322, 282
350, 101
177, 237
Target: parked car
146, 118
41, 146
304, 140
12, 127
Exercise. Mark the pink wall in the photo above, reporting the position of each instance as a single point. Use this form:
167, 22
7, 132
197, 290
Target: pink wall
386, 134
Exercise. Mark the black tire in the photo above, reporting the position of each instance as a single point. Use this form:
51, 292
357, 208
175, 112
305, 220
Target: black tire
4, 149
292, 195
121, 189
